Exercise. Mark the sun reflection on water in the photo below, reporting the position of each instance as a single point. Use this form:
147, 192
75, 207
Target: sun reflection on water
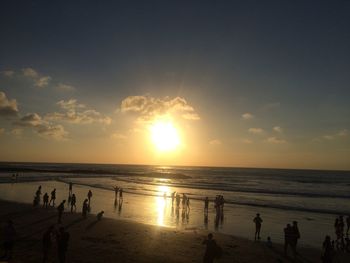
161, 203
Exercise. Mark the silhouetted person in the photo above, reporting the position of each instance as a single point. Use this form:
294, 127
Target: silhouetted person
89, 195
99, 215
269, 242
206, 205
60, 210
116, 189
70, 188
288, 239
295, 235
45, 200
38, 193
85, 208
257, 220
47, 242
183, 201
9, 236
348, 225
53, 197
177, 200
121, 194
73, 202
328, 250
172, 198
62, 244
211, 249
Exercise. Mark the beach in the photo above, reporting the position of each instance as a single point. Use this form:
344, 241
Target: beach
111, 240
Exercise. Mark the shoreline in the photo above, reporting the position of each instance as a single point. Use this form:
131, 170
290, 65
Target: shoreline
116, 239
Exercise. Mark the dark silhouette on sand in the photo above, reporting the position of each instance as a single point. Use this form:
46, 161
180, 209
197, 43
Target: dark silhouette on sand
99, 215
53, 197
47, 242
60, 209
257, 220
85, 208
9, 236
89, 195
212, 250
328, 250
73, 202
62, 244
45, 200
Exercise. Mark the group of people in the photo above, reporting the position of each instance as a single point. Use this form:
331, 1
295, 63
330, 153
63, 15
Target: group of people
61, 236
46, 202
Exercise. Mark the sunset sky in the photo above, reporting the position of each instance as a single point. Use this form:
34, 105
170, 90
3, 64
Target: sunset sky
243, 83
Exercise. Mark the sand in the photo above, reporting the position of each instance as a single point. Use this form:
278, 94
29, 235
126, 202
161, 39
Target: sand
111, 240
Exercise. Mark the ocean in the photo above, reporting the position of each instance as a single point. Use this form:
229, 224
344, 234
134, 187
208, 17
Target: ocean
314, 197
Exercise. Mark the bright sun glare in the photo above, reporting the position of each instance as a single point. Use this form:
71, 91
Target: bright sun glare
164, 136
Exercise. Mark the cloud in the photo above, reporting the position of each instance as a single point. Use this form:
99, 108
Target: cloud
215, 142
42, 127
149, 108
65, 87
118, 136
7, 73
255, 130
247, 116
16, 132
277, 129
247, 141
329, 137
8, 107
275, 140
39, 80
2, 130
271, 106
77, 113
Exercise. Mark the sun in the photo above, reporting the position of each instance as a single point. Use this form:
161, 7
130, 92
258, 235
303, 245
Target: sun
164, 136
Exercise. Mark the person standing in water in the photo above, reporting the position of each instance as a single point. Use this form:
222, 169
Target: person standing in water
45, 200
257, 220
206, 205
89, 195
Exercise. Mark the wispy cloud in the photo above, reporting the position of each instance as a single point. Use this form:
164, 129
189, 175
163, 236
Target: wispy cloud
118, 136
271, 106
17, 132
149, 108
77, 113
329, 137
255, 130
277, 129
8, 107
275, 140
7, 73
247, 141
247, 116
42, 127
65, 87
39, 80
215, 142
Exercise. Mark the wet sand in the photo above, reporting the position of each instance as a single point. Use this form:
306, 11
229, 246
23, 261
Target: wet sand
111, 240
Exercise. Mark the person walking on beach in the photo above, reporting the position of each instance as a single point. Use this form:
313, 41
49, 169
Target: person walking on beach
89, 195
188, 204
120, 194
38, 193
47, 242
9, 236
116, 189
288, 236
257, 220
70, 189
295, 235
53, 197
177, 200
62, 244
45, 200
211, 250
172, 198
206, 205
73, 202
60, 210
85, 208
328, 250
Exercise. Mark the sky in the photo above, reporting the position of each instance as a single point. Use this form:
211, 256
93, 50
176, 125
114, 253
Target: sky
244, 83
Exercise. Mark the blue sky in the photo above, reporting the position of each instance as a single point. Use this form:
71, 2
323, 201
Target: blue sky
284, 63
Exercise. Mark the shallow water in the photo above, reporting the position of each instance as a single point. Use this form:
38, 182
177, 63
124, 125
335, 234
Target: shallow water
152, 208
